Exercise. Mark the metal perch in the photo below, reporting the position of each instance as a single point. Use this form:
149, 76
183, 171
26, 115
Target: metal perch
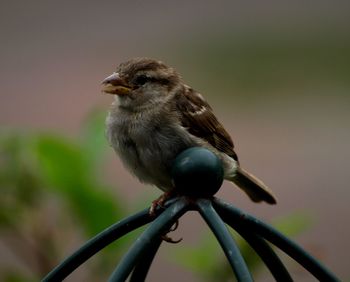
199, 174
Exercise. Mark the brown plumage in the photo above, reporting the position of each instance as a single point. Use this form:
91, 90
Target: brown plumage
156, 116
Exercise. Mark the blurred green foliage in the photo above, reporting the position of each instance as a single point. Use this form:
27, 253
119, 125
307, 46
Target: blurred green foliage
54, 198
51, 190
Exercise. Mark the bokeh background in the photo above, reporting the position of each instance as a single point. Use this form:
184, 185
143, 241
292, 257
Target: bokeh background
277, 74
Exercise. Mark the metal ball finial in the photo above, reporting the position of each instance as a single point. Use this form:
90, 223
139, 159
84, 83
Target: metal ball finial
197, 172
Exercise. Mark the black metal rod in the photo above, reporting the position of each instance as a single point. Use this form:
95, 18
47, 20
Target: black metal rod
262, 248
276, 238
225, 239
265, 252
144, 242
140, 271
96, 244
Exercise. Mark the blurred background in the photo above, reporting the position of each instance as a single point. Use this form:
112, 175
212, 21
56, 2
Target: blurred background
277, 74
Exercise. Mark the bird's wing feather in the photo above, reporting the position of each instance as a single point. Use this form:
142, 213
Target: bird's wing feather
198, 118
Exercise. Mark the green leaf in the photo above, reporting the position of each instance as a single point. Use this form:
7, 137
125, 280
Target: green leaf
62, 163
69, 173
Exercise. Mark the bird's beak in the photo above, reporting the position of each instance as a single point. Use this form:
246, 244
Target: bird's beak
114, 84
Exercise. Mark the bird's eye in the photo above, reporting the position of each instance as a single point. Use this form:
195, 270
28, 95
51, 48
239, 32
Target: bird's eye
141, 79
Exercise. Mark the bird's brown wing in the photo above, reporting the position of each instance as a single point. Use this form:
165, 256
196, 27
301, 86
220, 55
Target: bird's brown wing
198, 118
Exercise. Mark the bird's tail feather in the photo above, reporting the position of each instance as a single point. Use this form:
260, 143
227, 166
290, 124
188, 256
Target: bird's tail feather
255, 188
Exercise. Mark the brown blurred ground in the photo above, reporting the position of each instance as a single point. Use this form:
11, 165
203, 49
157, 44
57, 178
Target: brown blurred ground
286, 101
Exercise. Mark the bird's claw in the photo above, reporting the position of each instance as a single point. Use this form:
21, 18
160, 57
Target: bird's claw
168, 239
159, 202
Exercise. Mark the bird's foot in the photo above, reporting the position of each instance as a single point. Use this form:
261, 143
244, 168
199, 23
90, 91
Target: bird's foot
168, 239
159, 202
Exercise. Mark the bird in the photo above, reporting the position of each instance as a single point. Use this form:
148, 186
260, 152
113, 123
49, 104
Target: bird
155, 116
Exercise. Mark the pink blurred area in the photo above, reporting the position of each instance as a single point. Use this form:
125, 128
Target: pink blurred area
289, 120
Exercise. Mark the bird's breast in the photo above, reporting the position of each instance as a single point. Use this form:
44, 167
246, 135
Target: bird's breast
147, 145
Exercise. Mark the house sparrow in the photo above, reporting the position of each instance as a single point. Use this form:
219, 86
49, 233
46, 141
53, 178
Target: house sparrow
155, 116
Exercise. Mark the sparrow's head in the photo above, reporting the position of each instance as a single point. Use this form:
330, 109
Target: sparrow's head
141, 81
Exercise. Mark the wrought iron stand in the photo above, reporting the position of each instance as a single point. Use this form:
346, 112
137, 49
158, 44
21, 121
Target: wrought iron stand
214, 211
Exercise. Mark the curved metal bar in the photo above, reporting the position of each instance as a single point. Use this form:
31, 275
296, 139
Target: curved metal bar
141, 269
225, 239
276, 238
96, 244
143, 243
265, 252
